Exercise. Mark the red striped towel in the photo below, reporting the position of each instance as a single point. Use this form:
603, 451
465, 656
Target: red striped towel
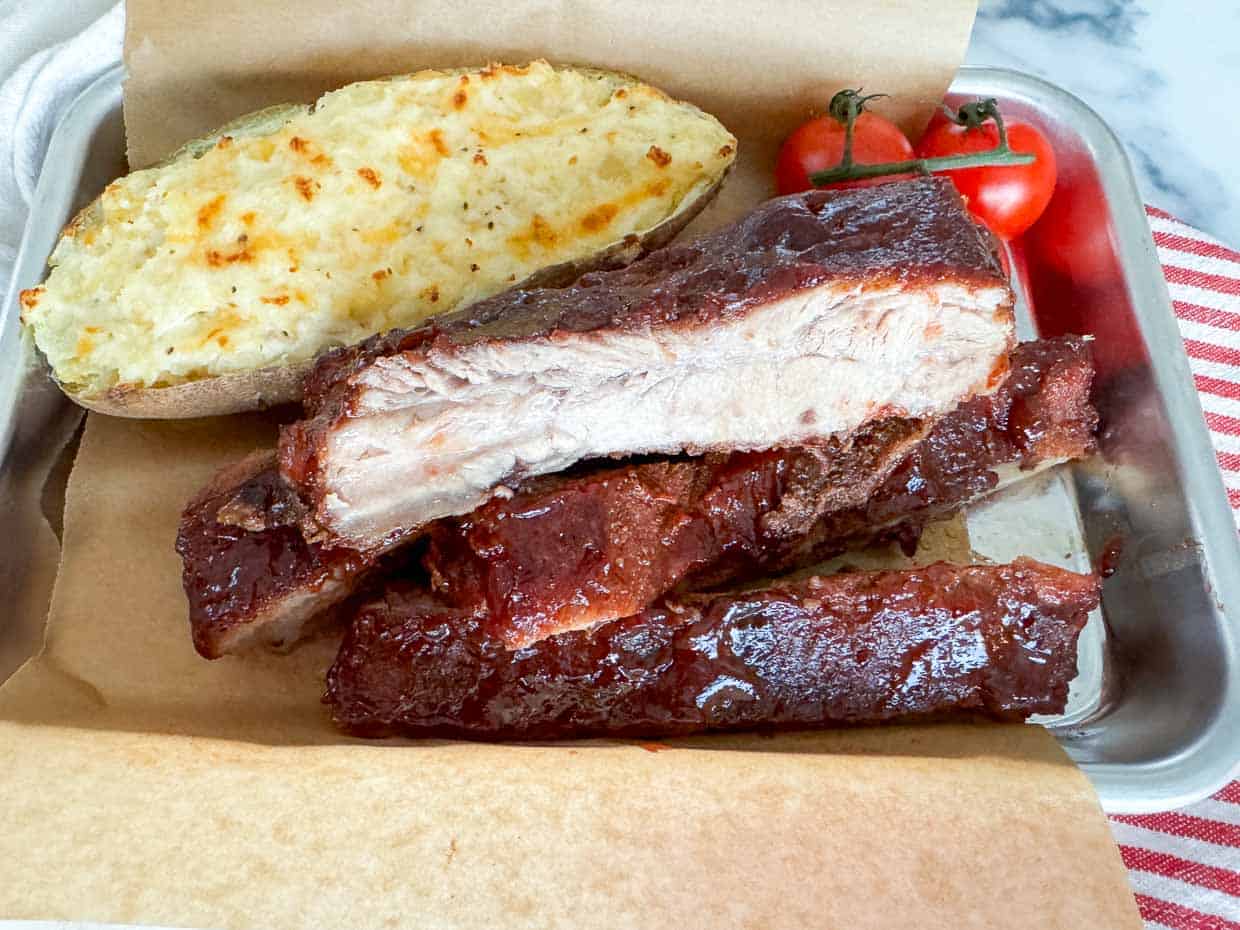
1185, 865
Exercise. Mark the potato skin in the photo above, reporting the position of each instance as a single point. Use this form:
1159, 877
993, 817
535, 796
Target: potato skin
207, 397
241, 390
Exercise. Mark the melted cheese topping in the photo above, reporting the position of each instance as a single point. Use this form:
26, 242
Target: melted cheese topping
387, 203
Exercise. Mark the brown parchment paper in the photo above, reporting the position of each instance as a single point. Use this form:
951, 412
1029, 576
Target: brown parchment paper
142, 784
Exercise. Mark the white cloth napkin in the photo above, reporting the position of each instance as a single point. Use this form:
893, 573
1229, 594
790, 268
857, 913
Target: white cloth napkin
39, 81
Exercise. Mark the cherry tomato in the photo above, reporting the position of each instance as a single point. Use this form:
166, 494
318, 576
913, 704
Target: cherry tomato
1007, 198
1073, 236
819, 145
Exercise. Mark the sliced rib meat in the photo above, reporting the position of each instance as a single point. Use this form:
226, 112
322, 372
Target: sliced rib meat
601, 542
569, 552
853, 648
812, 316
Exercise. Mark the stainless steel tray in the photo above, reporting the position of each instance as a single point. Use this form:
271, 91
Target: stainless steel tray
1154, 718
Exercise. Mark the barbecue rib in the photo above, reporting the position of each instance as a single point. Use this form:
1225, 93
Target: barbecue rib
854, 648
249, 574
566, 553
575, 549
813, 315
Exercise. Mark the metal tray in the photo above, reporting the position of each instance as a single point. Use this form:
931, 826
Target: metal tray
1154, 717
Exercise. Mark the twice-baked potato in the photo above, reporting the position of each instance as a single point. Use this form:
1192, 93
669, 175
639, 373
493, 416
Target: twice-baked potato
207, 284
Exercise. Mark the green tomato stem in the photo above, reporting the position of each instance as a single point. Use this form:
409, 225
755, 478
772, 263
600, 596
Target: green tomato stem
848, 104
995, 156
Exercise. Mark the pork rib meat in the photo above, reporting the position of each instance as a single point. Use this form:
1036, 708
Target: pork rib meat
250, 575
861, 647
813, 315
604, 541
569, 552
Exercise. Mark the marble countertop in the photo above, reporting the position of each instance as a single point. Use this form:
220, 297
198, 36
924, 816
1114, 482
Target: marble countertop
1163, 74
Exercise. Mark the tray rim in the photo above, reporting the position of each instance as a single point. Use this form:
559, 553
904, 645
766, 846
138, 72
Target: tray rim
1208, 763
68, 146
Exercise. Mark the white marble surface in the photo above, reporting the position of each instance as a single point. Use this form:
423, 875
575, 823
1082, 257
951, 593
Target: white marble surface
1165, 74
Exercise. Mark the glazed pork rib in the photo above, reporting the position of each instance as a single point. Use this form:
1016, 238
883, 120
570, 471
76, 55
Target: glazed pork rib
250, 576
813, 315
862, 647
566, 553
575, 549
